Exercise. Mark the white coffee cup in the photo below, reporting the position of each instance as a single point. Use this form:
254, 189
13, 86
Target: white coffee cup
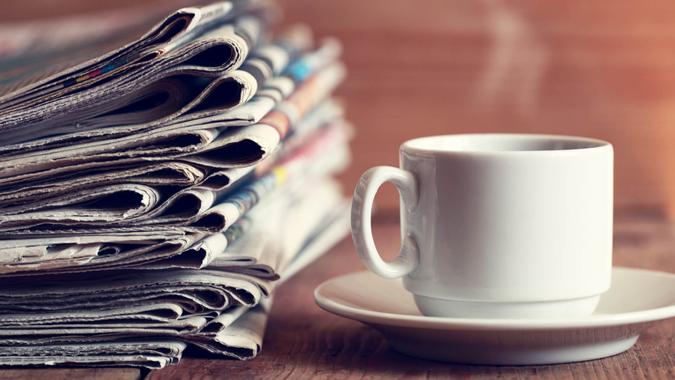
497, 225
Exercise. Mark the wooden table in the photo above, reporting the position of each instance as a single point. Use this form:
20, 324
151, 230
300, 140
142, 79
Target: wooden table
303, 341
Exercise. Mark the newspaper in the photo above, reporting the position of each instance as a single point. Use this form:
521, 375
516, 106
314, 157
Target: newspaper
230, 148
173, 33
153, 197
323, 153
140, 201
166, 173
162, 326
199, 138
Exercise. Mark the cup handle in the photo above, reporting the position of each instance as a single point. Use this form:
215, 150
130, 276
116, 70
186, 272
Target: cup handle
362, 234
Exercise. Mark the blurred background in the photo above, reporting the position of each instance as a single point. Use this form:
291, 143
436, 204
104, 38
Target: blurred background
422, 67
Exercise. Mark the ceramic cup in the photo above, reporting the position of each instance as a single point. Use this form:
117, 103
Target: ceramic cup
497, 225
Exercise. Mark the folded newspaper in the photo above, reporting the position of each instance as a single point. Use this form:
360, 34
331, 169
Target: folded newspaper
152, 196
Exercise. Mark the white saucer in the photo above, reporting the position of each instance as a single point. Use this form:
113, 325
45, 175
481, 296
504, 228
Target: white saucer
636, 299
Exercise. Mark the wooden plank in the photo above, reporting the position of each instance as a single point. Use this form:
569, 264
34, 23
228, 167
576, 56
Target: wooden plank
581, 68
70, 373
303, 341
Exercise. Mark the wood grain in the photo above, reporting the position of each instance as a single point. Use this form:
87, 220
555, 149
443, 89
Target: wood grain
583, 68
71, 373
303, 341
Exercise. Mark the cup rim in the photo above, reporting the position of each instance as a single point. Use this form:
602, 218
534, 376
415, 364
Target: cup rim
417, 145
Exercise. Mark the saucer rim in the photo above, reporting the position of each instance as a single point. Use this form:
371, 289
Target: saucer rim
421, 321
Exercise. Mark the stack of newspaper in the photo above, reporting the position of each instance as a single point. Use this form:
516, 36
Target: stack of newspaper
152, 197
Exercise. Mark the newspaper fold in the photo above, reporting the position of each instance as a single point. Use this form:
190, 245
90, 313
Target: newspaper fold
193, 307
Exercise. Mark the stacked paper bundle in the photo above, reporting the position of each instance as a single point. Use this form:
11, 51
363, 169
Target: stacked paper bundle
152, 197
